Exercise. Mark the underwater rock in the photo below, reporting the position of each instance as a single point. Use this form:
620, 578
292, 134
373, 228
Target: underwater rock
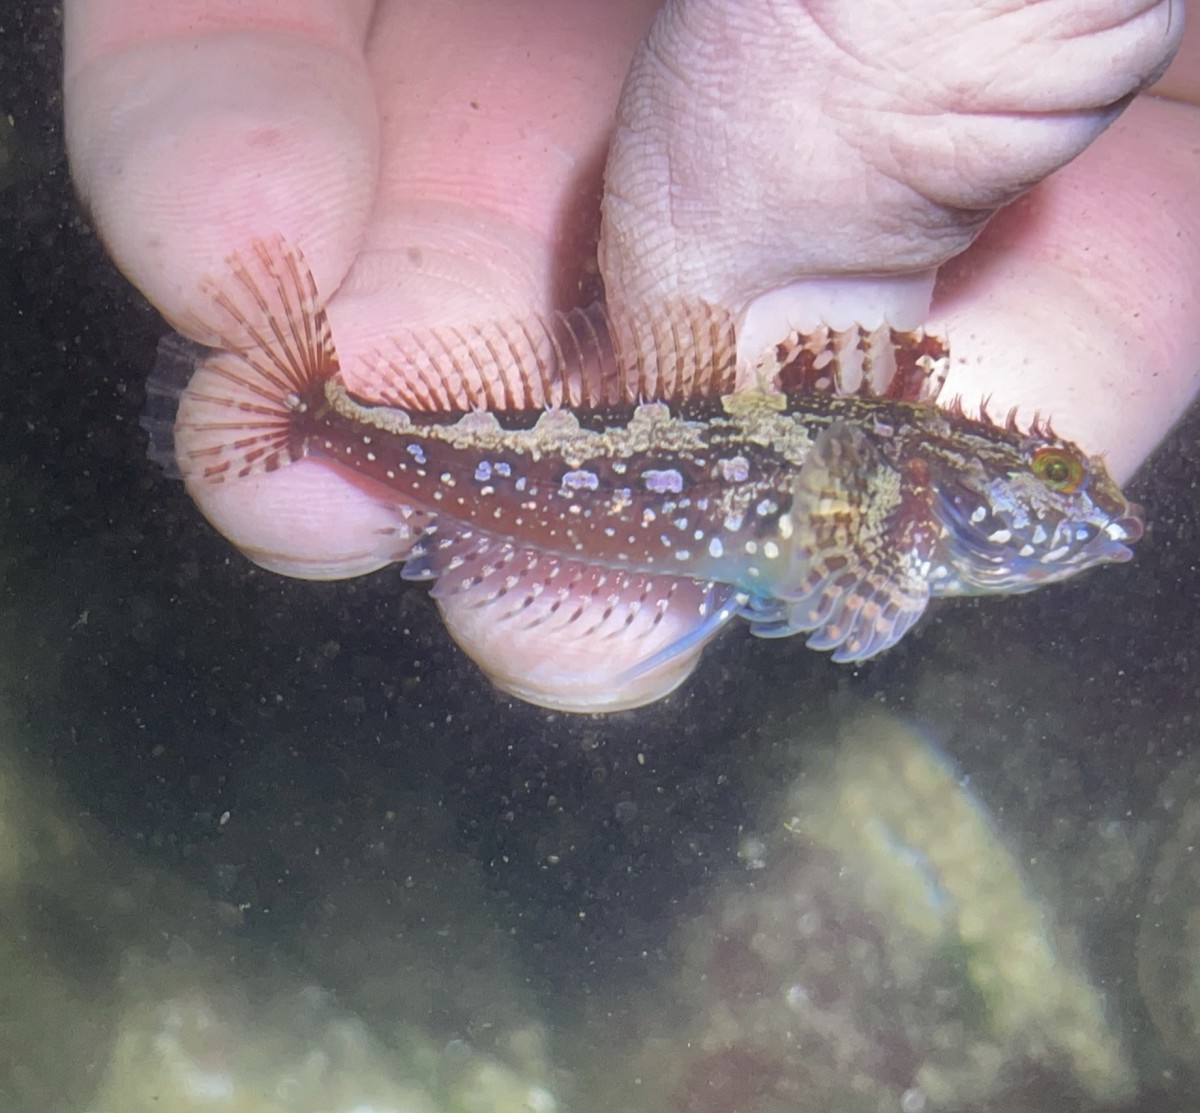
127, 988
1168, 945
887, 955
191, 1039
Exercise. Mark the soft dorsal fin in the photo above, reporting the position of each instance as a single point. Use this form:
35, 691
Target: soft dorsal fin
580, 359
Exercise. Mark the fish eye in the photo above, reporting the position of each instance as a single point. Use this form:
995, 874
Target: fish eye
1058, 468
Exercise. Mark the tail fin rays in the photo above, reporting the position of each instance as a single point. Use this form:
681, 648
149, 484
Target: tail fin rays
237, 413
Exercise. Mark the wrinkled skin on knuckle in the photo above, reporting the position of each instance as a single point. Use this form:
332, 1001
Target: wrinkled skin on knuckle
758, 141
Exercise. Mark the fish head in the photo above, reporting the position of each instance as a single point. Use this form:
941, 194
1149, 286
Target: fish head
1018, 510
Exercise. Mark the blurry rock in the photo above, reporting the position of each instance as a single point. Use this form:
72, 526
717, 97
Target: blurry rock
1168, 946
191, 1038
887, 955
124, 988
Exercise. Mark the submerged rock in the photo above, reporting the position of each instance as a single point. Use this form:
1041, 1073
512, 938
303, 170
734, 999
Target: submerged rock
1168, 946
885, 953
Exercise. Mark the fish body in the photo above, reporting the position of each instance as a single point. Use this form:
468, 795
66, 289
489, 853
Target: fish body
833, 498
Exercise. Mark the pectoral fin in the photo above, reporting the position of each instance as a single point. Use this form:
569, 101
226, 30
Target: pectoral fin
859, 567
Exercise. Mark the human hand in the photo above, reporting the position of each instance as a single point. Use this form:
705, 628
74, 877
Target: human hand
436, 162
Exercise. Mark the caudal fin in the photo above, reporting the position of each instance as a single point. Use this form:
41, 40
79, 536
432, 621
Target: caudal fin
220, 414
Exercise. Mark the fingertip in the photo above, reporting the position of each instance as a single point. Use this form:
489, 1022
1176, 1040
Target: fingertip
1080, 300
187, 148
307, 522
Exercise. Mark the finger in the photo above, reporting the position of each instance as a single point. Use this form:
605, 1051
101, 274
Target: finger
1181, 82
193, 127
1082, 300
760, 143
495, 126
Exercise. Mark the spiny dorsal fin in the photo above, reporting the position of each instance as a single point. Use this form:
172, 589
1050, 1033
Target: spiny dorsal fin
883, 362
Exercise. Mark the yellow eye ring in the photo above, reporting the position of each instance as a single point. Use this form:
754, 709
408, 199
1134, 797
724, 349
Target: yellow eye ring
1058, 468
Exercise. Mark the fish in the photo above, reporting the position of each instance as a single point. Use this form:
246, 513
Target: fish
828, 494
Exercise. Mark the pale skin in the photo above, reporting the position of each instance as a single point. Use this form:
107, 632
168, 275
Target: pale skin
439, 162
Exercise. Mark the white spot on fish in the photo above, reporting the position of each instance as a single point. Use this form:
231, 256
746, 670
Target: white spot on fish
662, 481
715, 549
1000, 537
581, 480
734, 470
416, 452
483, 472
978, 514
785, 526
770, 550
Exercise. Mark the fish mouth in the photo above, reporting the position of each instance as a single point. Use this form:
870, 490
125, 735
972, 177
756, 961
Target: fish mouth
1117, 534
1128, 528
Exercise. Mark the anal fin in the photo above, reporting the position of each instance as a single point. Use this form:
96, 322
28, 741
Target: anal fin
625, 624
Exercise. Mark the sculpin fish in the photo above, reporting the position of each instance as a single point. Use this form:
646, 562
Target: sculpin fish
833, 497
